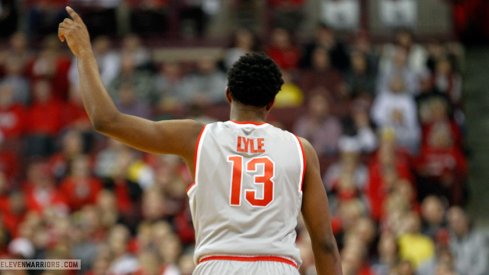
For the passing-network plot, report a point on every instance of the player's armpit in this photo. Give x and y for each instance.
(316, 216)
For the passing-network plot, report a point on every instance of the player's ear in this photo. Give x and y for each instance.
(270, 105)
(229, 97)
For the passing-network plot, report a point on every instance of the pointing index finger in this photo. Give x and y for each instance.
(73, 14)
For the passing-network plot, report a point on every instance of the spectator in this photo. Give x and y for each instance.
(361, 77)
(44, 120)
(447, 81)
(388, 254)
(415, 54)
(282, 49)
(397, 66)
(51, 65)
(141, 82)
(12, 115)
(359, 128)
(433, 222)
(243, 41)
(18, 50)
(80, 188)
(321, 74)
(442, 167)
(414, 246)
(132, 46)
(326, 38)
(204, 87)
(319, 126)
(16, 80)
(40, 190)
(123, 261)
(71, 147)
(396, 109)
(129, 103)
(468, 245)
(169, 86)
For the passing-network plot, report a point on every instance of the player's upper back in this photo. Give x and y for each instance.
(248, 193)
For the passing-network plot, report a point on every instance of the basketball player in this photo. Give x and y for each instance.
(251, 179)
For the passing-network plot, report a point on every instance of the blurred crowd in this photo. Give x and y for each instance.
(387, 120)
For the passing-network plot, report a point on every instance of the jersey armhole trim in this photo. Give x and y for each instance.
(304, 162)
(198, 147)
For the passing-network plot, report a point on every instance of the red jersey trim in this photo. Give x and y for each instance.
(257, 123)
(304, 162)
(240, 258)
(196, 156)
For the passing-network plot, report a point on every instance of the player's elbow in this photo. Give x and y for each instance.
(103, 123)
(326, 245)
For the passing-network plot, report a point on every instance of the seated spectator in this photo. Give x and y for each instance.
(441, 167)
(441, 263)
(12, 115)
(17, 52)
(447, 81)
(349, 165)
(15, 78)
(123, 261)
(325, 37)
(169, 86)
(388, 166)
(40, 190)
(397, 66)
(129, 103)
(51, 64)
(436, 113)
(415, 54)
(413, 245)
(133, 46)
(243, 41)
(358, 127)
(321, 74)
(71, 146)
(43, 121)
(396, 109)
(80, 188)
(469, 246)
(204, 87)
(140, 81)
(361, 77)
(319, 126)
(282, 49)
(433, 220)
(387, 255)
(13, 212)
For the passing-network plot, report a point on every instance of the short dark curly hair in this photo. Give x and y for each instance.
(254, 80)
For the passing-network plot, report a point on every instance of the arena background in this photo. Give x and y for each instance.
(183, 32)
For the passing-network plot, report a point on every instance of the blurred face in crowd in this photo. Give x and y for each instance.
(72, 143)
(80, 167)
(6, 95)
(118, 239)
(127, 95)
(358, 62)
(101, 45)
(206, 65)
(432, 210)
(458, 221)
(319, 106)
(244, 39)
(396, 84)
(18, 42)
(320, 58)
(412, 223)
(443, 66)
(42, 91)
(280, 38)
(440, 136)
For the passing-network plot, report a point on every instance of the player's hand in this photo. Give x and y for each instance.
(74, 32)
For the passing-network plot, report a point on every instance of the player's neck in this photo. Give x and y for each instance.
(240, 112)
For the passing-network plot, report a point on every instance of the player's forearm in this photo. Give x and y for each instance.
(327, 257)
(98, 104)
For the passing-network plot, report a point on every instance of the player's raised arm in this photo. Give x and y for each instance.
(316, 215)
(173, 136)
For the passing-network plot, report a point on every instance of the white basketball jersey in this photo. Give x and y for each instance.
(248, 190)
